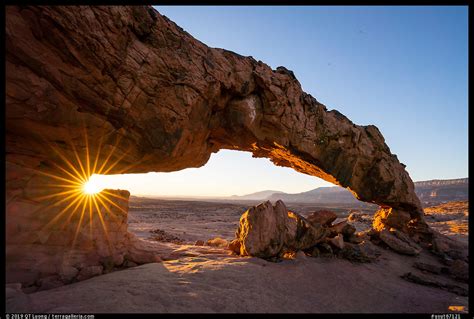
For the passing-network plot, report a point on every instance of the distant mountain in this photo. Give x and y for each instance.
(327, 195)
(318, 195)
(256, 196)
(429, 192)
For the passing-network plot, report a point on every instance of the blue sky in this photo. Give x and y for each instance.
(403, 69)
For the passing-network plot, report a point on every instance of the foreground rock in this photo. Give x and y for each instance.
(322, 217)
(399, 242)
(269, 231)
(73, 248)
(273, 232)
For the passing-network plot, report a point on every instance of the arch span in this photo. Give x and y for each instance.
(141, 85)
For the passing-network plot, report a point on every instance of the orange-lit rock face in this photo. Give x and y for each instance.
(130, 85)
(44, 239)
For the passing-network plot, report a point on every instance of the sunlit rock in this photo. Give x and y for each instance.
(322, 217)
(128, 87)
(168, 108)
(217, 242)
(337, 242)
(267, 231)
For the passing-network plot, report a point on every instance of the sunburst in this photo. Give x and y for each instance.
(75, 190)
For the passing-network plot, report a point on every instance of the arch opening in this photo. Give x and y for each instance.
(158, 101)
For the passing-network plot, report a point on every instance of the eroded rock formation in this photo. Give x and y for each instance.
(268, 231)
(272, 232)
(48, 245)
(130, 87)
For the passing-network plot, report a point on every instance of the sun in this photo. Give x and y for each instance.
(75, 186)
(91, 187)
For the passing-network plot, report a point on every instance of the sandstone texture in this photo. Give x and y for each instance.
(167, 101)
(323, 217)
(270, 231)
(274, 233)
(44, 251)
(399, 242)
(128, 87)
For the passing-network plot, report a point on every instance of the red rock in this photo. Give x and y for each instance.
(337, 241)
(217, 242)
(337, 228)
(268, 231)
(199, 243)
(234, 246)
(323, 217)
(89, 272)
(400, 244)
(166, 101)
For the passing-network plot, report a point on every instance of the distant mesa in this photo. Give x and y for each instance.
(438, 191)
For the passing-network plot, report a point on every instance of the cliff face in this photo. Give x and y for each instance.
(128, 86)
(439, 191)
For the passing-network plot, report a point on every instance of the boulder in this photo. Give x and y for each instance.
(322, 217)
(398, 243)
(391, 218)
(300, 255)
(217, 242)
(354, 239)
(449, 248)
(337, 242)
(234, 246)
(140, 252)
(337, 228)
(348, 231)
(266, 231)
(354, 253)
(358, 216)
(369, 249)
(199, 243)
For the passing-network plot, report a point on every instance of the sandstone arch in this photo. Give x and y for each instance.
(132, 73)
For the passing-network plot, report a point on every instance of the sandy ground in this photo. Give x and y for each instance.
(208, 279)
(195, 220)
(212, 281)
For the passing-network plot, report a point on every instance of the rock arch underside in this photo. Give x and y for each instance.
(150, 97)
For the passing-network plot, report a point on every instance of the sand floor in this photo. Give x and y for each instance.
(207, 279)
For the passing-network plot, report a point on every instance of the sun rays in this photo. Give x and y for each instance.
(75, 193)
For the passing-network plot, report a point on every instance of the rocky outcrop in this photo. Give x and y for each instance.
(323, 217)
(273, 232)
(129, 88)
(131, 73)
(268, 231)
(399, 242)
(50, 247)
